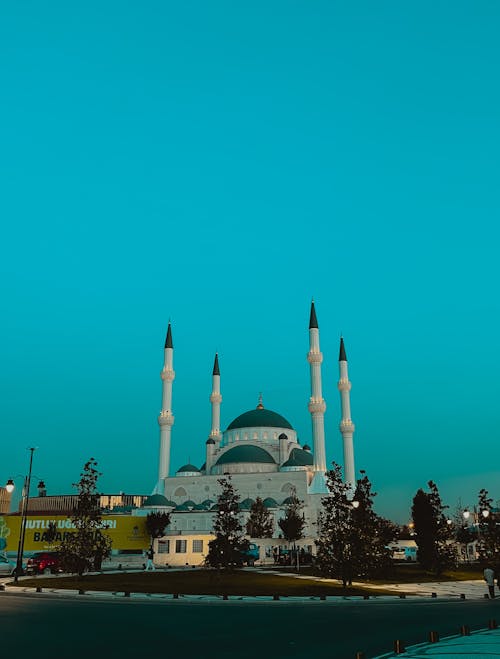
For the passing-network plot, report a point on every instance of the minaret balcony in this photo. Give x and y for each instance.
(166, 418)
(314, 357)
(346, 426)
(168, 375)
(317, 406)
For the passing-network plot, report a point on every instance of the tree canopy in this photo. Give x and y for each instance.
(228, 548)
(433, 536)
(260, 523)
(86, 547)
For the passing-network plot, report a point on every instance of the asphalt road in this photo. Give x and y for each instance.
(46, 627)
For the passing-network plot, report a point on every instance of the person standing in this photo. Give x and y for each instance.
(150, 555)
(489, 577)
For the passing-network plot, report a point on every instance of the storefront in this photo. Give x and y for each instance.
(127, 532)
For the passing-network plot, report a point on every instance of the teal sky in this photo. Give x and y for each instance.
(219, 164)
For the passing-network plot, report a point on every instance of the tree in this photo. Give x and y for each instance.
(260, 524)
(156, 523)
(432, 534)
(353, 539)
(371, 534)
(51, 533)
(334, 544)
(488, 536)
(87, 546)
(229, 547)
(292, 524)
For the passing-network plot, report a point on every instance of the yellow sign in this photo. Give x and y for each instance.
(125, 531)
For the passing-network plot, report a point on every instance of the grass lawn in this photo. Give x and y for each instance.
(411, 573)
(199, 582)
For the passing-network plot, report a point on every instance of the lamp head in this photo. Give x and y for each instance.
(10, 486)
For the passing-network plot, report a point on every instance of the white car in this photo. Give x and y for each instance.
(6, 567)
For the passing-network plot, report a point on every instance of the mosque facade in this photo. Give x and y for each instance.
(261, 453)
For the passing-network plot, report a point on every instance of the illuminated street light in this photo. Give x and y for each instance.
(355, 504)
(26, 497)
(466, 514)
(485, 513)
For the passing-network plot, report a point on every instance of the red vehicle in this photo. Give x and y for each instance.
(44, 562)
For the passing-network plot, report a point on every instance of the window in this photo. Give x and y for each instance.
(180, 492)
(180, 546)
(197, 546)
(164, 547)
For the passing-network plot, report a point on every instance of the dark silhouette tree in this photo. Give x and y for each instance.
(86, 547)
(353, 539)
(260, 523)
(371, 534)
(293, 522)
(336, 532)
(488, 532)
(156, 523)
(228, 549)
(436, 551)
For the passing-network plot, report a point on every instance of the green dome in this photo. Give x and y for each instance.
(188, 467)
(245, 453)
(259, 418)
(270, 503)
(246, 504)
(156, 500)
(187, 505)
(299, 458)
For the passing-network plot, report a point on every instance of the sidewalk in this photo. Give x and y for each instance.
(480, 645)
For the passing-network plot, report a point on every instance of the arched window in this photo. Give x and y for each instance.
(180, 492)
(287, 488)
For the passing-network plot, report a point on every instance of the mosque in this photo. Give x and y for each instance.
(259, 450)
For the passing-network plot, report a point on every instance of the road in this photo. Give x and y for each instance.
(47, 627)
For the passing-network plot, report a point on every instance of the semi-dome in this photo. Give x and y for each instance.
(156, 500)
(300, 457)
(187, 505)
(246, 504)
(259, 418)
(188, 467)
(245, 453)
(270, 503)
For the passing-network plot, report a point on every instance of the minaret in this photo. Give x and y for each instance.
(166, 418)
(216, 400)
(346, 425)
(317, 405)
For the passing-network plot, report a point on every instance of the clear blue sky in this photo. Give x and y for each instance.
(220, 163)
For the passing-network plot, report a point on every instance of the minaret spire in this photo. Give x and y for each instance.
(346, 424)
(317, 405)
(166, 418)
(215, 400)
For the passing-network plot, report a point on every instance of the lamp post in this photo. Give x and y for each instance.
(24, 512)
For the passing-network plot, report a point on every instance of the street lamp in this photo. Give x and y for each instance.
(466, 514)
(485, 513)
(24, 511)
(355, 504)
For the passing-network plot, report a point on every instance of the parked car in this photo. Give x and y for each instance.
(6, 567)
(44, 562)
(252, 554)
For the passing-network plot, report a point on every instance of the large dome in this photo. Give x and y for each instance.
(259, 418)
(248, 453)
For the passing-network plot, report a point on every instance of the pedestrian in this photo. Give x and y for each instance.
(489, 577)
(150, 555)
